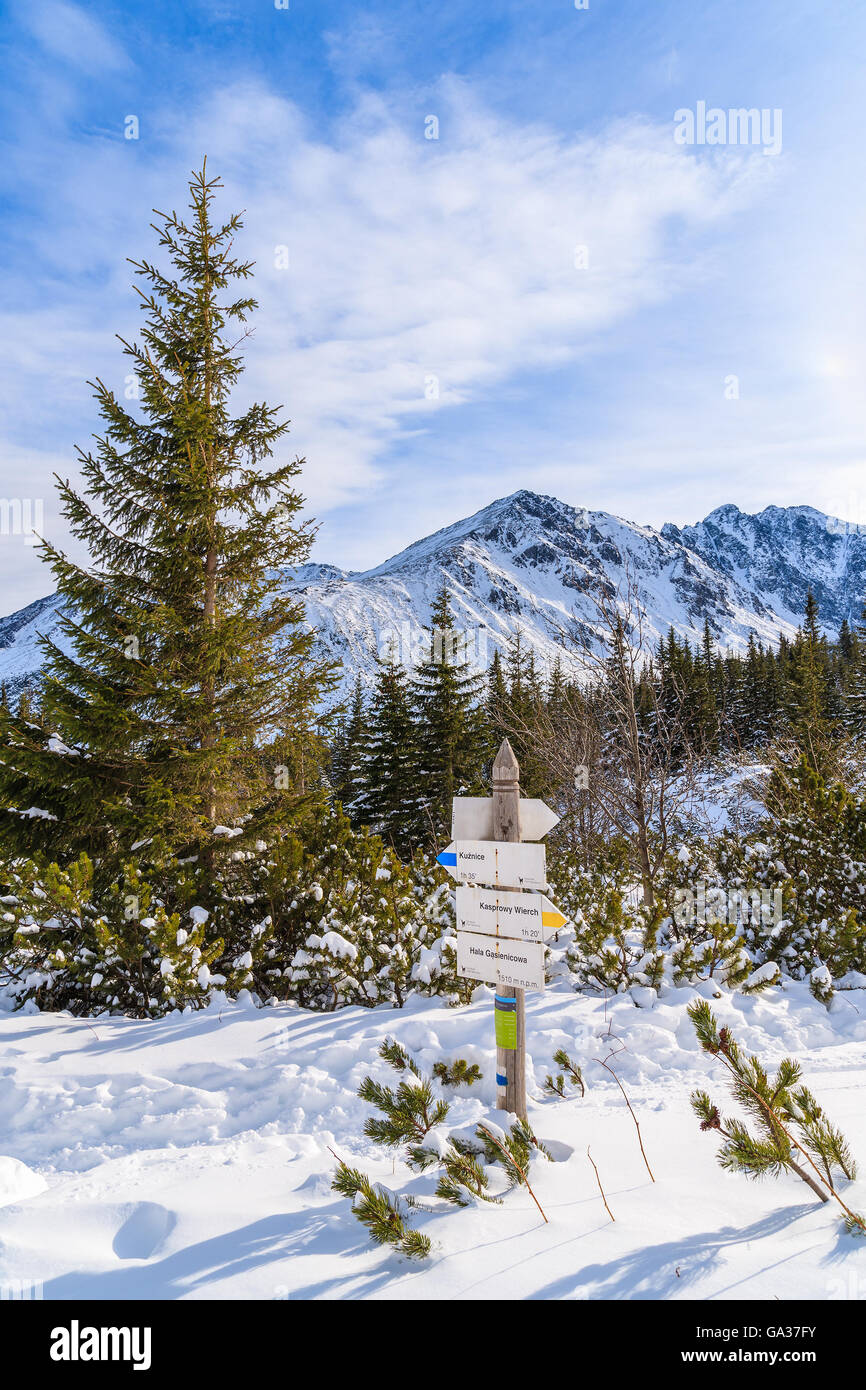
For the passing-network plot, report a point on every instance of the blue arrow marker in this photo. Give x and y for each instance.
(447, 859)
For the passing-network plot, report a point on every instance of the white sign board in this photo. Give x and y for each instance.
(494, 863)
(499, 961)
(496, 912)
(472, 818)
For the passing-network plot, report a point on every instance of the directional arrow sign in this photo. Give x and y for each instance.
(495, 912)
(495, 862)
(472, 818)
(496, 961)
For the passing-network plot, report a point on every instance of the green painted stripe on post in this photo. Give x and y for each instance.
(506, 1029)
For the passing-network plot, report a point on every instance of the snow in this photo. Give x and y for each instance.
(189, 1157)
(18, 1182)
(767, 972)
(56, 745)
(336, 944)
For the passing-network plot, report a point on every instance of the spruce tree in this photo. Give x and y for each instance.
(705, 706)
(519, 679)
(751, 722)
(388, 799)
(453, 736)
(182, 646)
(808, 682)
(523, 706)
(497, 693)
(348, 750)
(557, 692)
(854, 709)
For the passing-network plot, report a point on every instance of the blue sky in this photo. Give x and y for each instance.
(438, 337)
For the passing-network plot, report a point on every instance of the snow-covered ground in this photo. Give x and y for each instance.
(189, 1157)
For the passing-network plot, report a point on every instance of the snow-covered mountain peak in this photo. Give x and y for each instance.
(522, 562)
(505, 518)
(781, 553)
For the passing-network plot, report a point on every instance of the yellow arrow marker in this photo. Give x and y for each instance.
(553, 920)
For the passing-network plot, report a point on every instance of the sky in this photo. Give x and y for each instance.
(491, 250)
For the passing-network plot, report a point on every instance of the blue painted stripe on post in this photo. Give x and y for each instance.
(501, 1080)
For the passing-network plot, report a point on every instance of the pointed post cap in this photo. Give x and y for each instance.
(505, 766)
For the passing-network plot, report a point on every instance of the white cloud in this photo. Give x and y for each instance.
(454, 259)
(409, 259)
(67, 32)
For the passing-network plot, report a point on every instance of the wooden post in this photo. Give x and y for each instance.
(510, 1004)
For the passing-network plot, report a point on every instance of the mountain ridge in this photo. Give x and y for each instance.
(522, 562)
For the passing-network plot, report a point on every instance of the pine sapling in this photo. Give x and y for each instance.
(457, 1073)
(463, 1177)
(823, 1140)
(396, 1055)
(383, 1214)
(514, 1150)
(569, 1071)
(781, 1110)
(555, 1085)
(408, 1113)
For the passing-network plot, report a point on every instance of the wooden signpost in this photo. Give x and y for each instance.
(509, 1005)
(501, 927)
(472, 818)
(500, 961)
(502, 865)
(496, 912)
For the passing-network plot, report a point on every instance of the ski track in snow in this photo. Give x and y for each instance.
(188, 1157)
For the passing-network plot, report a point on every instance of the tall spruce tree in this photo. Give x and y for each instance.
(389, 798)
(453, 734)
(181, 644)
(809, 681)
(497, 692)
(348, 749)
(520, 714)
(854, 708)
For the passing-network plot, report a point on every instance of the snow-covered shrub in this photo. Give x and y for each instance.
(116, 948)
(815, 849)
(790, 897)
(435, 970)
(318, 912)
(706, 915)
(743, 911)
(366, 932)
(787, 900)
(351, 923)
(610, 941)
(616, 940)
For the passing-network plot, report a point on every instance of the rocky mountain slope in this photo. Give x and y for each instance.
(522, 562)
